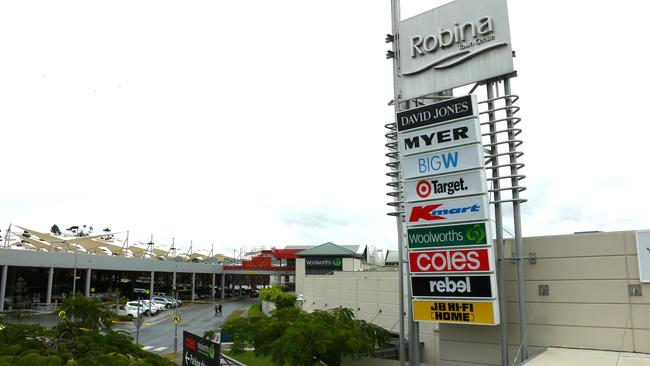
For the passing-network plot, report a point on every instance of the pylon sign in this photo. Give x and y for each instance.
(451, 266)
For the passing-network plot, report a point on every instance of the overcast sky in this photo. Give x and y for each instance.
(261, 123)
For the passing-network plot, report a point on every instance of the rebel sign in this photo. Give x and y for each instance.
(454, 260)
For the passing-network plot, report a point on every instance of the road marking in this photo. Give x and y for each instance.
(146, 348)
(160, 349)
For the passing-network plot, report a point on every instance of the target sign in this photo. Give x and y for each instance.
(423, 189)
(445, 186)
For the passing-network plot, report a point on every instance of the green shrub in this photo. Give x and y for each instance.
(70, 345)
(281, 299)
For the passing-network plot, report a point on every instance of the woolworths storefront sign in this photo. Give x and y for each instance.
(319, 265)
(447, 236)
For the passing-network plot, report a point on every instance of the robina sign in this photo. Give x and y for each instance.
(435, 113)
(456, 44)
(452, 260)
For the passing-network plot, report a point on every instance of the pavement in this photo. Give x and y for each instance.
(571, 357)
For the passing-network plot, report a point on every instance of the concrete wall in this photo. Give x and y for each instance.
(588, 304)
(351, 264)
(300, 275)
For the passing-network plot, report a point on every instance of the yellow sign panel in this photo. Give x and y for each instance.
(455, 312)
(176, 319)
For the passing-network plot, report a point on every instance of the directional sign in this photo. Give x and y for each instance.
(176, 319)
(199, 351)
(62, 314)
(473, 312)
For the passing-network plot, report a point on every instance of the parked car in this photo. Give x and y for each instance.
(166, 302)
(178, 302)
(155, 308)
(128, 311)
(143, 309)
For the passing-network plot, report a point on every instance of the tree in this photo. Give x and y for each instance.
(295, 337)
(87, 312)
(55, 230)
(21, 301)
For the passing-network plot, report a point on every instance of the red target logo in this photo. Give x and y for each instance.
(423, 189)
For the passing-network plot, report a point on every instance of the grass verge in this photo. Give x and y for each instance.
(234, 315)
(255, 310)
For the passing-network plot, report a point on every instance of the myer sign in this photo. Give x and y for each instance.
(456, 44)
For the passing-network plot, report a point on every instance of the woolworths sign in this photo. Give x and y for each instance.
(447, 236)
(319, 265)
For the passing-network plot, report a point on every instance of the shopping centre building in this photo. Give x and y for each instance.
(584, 301)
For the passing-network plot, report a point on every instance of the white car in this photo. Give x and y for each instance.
(143, 309)
(158, 307)
(128, 311)
(167, 303)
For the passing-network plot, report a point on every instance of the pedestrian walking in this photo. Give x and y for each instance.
(220, 310)
(217, 309)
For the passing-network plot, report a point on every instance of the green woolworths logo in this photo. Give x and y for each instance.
(337, 262)
(447, 236)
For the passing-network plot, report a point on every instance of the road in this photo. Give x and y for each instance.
(157, 333)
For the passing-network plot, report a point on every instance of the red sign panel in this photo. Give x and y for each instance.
(454, 260)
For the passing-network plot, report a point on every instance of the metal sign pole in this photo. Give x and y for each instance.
(498, 221)
(137, 324)
(516, 211)
(176, 325)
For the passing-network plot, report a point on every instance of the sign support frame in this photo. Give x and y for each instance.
(498, 222)
(399, 210)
